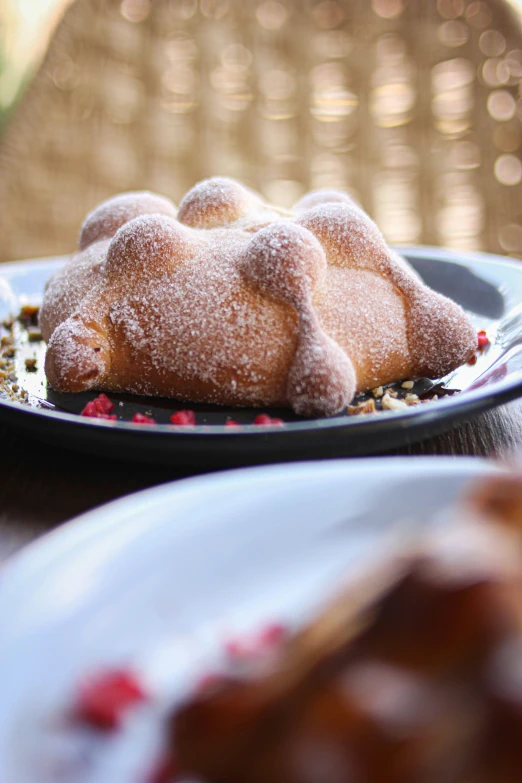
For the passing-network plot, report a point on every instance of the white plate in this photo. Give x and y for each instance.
(159, 578)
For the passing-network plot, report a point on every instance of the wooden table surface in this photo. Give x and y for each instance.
(42, 486)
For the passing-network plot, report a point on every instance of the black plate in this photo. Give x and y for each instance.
(489, 288)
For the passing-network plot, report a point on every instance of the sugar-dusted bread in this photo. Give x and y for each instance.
(230, 300)
(411, 678)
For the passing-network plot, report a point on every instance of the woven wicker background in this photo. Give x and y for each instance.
(415, 106)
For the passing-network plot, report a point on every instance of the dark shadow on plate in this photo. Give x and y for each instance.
(461, 284)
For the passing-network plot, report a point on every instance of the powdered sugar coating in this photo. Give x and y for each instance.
(348, 236)
(148, 245)
(286, 262)
(220, 201)
(365, 314)
(208, 333)
(322, 378)
(66, 290)
(108, 217)
(215, 202)
(79, 353)
(439, 334)
(242, 303)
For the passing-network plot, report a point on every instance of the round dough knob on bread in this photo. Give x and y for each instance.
(285, 261)
(108, 217)
(78, 357)
(148, 246)
(215, 202)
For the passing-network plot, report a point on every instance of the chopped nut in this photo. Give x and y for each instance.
(30, 365)
(392, 393)
(411, 399)
(29, 315)
(6, 340)
(378, 392)
(29, 310)
(366, 406)
(34, 335)
(407, 385)
(389, 403)
(15, 387)
(9, 352)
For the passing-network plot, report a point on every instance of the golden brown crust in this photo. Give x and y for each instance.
(236, 302)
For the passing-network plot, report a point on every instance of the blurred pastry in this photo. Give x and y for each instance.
(416, 677)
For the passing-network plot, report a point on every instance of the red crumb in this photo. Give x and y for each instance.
(183, 418)
(269, 636)
(92, 412)
(103, 699)
(141, 418)
(103, 402)
(473, 360)
(99, 408)
(265, 419)
(272, 634)
(482, 339)
(232, 423)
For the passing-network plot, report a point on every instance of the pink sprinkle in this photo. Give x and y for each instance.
(232, 423)
(183, 418)
(265, 419)
(141, 418)
(99, 408)
(103, 700)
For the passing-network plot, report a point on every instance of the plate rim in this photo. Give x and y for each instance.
(108, 515)
(456, 406)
